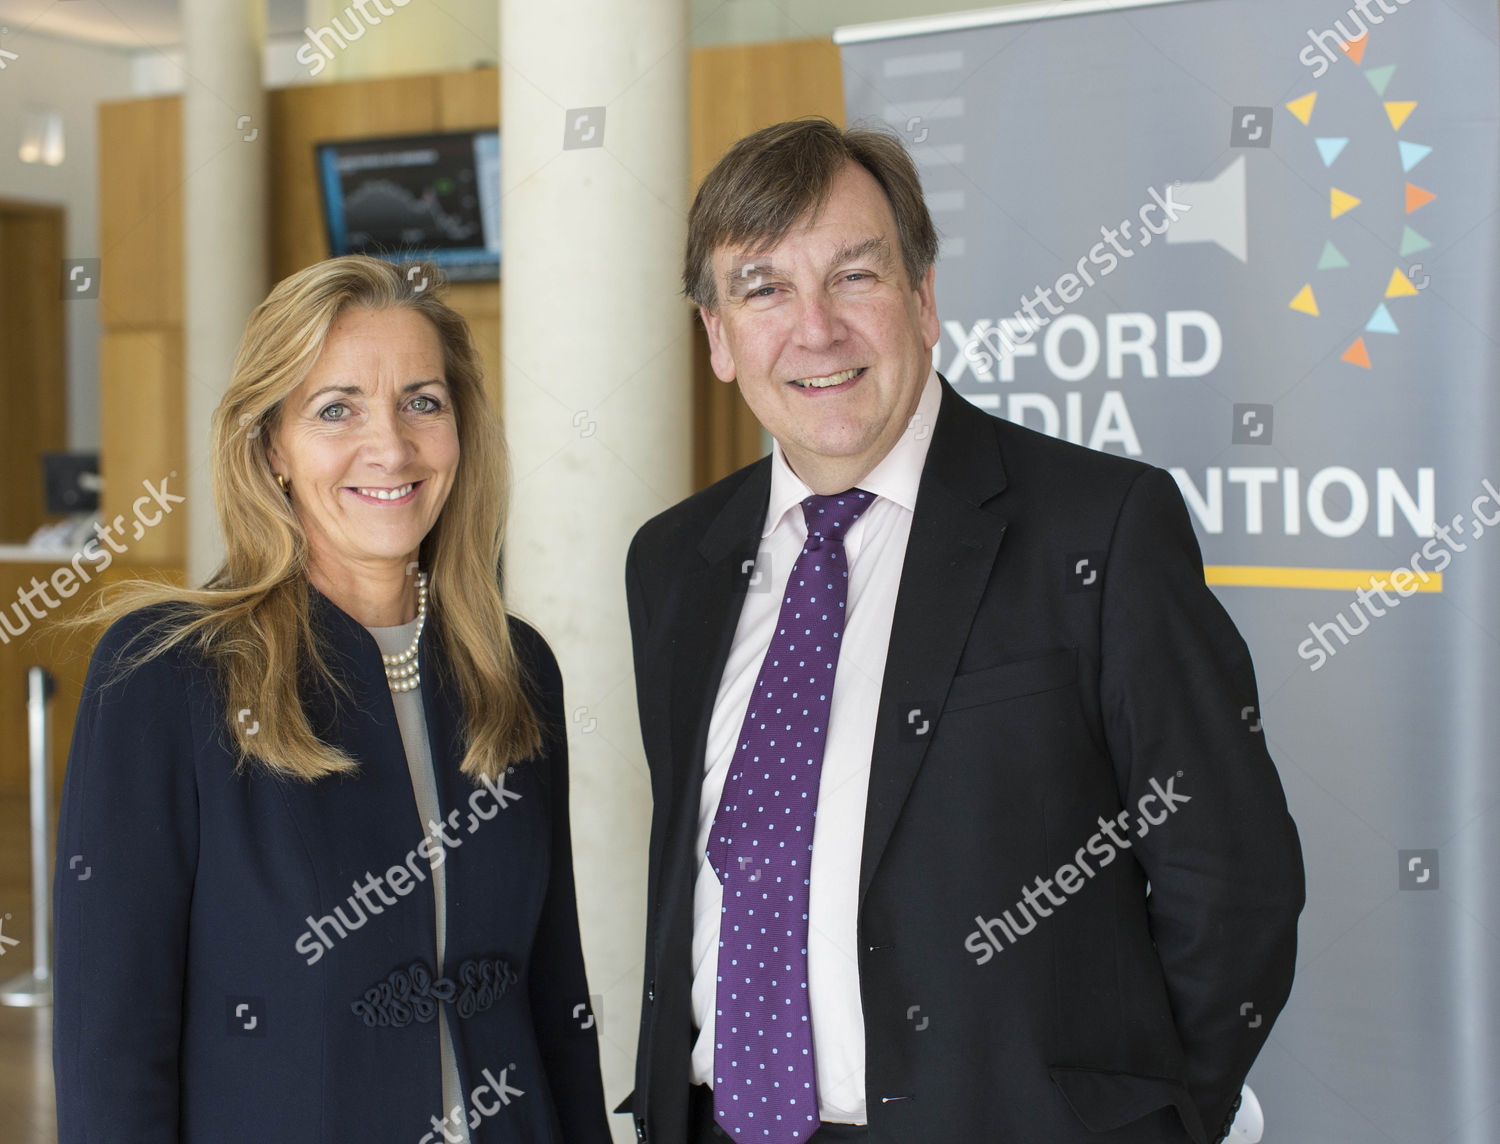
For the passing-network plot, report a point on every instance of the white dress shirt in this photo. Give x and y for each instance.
(875, 547)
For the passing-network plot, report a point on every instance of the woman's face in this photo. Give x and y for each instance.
(369, 442)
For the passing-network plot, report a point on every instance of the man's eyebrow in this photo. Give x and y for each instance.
(859, 251)
(748, 273)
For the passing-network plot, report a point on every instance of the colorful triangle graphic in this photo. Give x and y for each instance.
(1332, 258)
(1400, 111)
(1304, 302)
(1412, 153)
(1380, 77)
(1302, 107)
(1357, 354)
(1341, 202)
(1411, 242)
(1400, 285)
(1355, 48)
(1417, 198)
(1381, 322)
(1330, 149)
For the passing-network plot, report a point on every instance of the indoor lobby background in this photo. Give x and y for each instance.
(158, 175)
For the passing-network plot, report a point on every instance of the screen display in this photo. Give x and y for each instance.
(419, 196)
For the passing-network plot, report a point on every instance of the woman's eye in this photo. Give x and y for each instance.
(422, 403)
(335, 412)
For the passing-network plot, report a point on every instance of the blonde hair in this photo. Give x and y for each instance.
(251, 620)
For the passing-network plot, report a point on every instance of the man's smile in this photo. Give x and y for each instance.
(838, 380)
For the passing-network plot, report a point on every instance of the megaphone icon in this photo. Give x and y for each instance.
(1217, 214)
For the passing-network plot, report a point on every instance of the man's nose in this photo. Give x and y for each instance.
(818, 323)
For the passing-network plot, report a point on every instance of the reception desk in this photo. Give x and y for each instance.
(28, 639)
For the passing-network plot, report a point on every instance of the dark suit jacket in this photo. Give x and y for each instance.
(1022, 702)
(187, 1006)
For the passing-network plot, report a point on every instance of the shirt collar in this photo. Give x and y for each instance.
(895, 478)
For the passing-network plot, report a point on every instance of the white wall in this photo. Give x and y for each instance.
(752, 21)
(74, 79)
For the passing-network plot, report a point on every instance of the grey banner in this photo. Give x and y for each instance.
(1255, 242)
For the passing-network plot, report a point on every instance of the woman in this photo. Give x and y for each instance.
(324, 799)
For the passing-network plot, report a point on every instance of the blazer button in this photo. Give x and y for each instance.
(640, 1129)
(651, 991)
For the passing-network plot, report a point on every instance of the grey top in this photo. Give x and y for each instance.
(412, 720)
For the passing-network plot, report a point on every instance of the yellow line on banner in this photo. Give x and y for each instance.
(1338, 579)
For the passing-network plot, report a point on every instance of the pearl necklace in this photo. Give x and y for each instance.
(401, 669)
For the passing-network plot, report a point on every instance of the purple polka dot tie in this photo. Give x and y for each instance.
(765, 1085)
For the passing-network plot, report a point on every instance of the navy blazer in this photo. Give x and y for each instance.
(1055, 661)
(242, 957)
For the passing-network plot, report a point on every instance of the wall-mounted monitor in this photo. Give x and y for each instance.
(70, 482)
(434, 196)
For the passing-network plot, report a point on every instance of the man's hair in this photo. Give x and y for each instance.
(768, 180)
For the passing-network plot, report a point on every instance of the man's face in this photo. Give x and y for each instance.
(829, 340)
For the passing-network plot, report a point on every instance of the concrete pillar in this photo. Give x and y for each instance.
(371, 39)
(597, 406)
(225, 267)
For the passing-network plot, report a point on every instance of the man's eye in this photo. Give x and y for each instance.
(327, 413)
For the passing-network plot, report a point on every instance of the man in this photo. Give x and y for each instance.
(961, 832)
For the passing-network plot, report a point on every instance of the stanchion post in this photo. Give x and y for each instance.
(35, 988)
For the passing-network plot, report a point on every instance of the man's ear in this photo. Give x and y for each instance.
(927, 316)
(719, 355)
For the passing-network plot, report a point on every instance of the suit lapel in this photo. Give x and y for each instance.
(950, 557)
(712, 593)
(710, 597)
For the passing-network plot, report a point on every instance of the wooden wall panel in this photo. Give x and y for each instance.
(141, 432)
(742, 88)
(468, 99)
(140, 212)
(479, 303)
(33, 376)
(737, 90)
